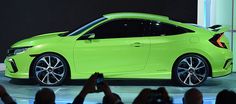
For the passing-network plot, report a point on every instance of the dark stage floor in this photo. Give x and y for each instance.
(23, 91)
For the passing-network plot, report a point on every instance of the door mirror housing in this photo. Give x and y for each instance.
(88, 36)
(91, 36)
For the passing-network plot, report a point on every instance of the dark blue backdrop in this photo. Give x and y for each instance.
(20, 19)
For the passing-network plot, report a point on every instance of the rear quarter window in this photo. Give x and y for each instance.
(158, 29)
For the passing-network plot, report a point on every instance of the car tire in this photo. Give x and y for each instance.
(50, 69)
(190, 70)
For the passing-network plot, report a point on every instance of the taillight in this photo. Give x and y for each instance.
(216, 40)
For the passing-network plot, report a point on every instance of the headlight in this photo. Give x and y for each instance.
(21, 50)
(18, 50)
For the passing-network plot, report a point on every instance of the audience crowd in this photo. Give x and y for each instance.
(147, 96)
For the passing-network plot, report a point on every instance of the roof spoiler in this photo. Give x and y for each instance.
(218, 28)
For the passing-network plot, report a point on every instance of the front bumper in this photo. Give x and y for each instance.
(18, 66)
(13, 68)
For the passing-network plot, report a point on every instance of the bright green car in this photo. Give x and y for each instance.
(124, 45)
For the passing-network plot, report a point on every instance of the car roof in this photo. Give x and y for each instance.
(135, 15)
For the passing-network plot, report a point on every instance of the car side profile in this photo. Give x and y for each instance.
(124, 45)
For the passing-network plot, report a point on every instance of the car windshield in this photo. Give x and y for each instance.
(81, 29)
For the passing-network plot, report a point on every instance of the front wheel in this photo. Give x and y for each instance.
(191, 70)
(50, 69)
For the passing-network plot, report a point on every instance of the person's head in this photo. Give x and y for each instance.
(143, 96)
(159, 96)
(226, 97)
(193, 96)
(149, 96)
(164, 95)
(45, 96)
(107, 99)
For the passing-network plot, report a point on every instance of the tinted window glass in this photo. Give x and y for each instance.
(158, 29)
(77, 31)
(121, 28)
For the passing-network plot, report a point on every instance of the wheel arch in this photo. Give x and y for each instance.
(210, 68)
(36, 56)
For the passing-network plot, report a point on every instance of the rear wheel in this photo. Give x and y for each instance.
(191, 70)
(50, 69)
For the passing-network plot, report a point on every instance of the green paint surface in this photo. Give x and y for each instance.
(117, 58)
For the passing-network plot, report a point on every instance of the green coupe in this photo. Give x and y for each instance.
(124, 45)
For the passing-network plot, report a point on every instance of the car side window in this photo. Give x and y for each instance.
(159, 28)
(121, 29)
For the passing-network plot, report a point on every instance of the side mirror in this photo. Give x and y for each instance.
(91, 36)
(88, 36)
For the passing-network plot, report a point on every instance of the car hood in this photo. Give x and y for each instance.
(43, 38)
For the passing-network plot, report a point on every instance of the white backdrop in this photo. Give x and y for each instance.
(212, 12)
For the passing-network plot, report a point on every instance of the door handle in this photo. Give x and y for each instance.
(137, 44)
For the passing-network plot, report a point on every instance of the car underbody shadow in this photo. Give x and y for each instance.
(23, 82)
(142, 82)
(117, 82)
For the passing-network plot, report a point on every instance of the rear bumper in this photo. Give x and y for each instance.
(226, 70)
(221, 61)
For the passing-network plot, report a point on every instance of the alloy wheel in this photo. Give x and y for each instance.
(50, 70)
(192, 71)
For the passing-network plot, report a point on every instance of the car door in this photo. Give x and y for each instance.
(116, 46)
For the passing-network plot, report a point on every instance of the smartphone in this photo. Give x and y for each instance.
(99, 82)
(100, 79)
